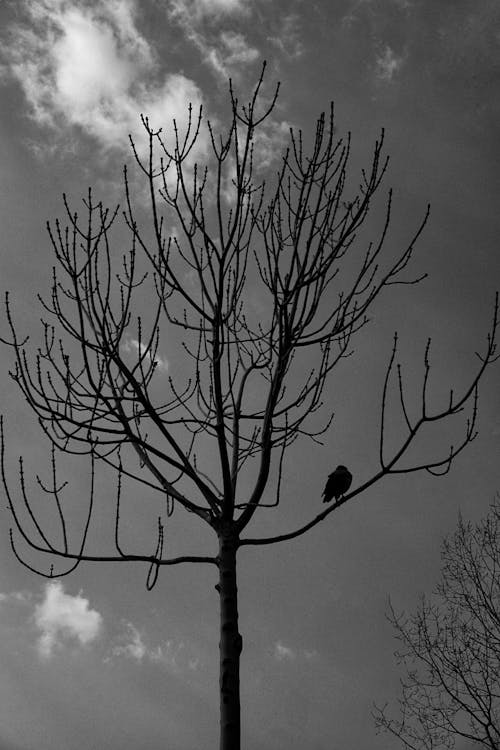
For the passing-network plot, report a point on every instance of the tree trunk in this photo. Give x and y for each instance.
(230, 644)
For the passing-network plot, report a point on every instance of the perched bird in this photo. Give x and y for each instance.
(337, 485)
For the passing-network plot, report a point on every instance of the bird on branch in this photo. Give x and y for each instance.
(337, 485)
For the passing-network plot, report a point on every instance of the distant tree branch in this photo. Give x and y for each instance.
(450, 647)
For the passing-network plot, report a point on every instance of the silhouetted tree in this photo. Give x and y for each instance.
(219, 238)
(450, 648)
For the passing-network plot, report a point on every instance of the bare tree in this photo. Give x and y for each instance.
(257, 376)
(450, 648)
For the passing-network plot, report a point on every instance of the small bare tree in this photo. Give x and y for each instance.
(450, 648)
(258, 375)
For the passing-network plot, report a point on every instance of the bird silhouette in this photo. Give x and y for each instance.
(337, 485)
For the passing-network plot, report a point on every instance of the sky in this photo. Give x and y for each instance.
(94, 659)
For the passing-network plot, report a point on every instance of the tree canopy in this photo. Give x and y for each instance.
(450, 647)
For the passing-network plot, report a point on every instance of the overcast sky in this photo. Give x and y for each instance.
(94, 660)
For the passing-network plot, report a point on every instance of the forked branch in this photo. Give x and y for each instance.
(258, 267)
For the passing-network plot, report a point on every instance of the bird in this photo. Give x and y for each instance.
(338, 483)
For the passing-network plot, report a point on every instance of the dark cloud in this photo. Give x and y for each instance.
(465, 58)
(7, 745)
(449, 52)
(380, 22)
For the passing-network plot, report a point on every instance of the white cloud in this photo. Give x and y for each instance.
(133, 647)
(237, 49)
(270, 142)
(282, 652)
(226, 52)
(22, 597)
(351, 16)
(61, 616)
(172, 655)
(287, 653)
(388, 64)
(226, 55)
(310, 654)
(87, 65)
(132, 345)
(288, 40)
(197, 9)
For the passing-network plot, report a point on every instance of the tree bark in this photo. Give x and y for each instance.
(230, 643)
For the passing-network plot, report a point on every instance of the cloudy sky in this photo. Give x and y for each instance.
(94, 660)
